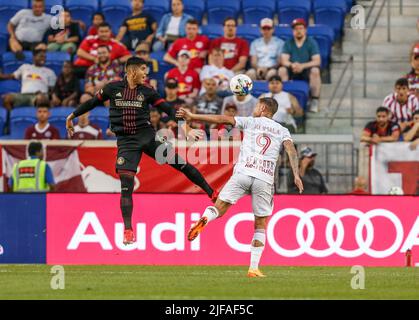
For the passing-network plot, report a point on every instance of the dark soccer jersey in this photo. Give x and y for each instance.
(129, 108)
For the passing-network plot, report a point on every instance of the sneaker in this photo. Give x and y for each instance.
(314, 105)
(255, 273)
(214, 196)
(197, 228)
(129, 236)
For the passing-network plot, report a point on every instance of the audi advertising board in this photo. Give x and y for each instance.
(303, 231)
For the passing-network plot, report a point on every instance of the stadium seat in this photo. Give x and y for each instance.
(260, 87)
(9, 86)
(115, 12)
(324, 36)
(100, 117)
(249, 32)
(55, 61)
(8, 9)
(4, 42)
(300, 89)
(20, 119)
(255, 10)
(157, 8)
(163, 66)
(58, 117)
(82, 9)
(3, 119)
(218, 10)
(331, 13)
(284, 32)
(11, 64)
(195, 8)
(288, 10)
(212, 31)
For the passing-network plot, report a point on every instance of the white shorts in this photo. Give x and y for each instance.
(261, 191)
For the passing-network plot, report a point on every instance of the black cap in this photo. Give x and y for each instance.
(275, 78)
(171, 83)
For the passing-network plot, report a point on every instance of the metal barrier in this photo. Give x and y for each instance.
(336, 160)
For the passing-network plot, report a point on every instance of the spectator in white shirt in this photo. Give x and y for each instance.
(216, 70)
(27, 29)
(401, 104)
(289, 109)
(265, 53)
(35, 79)
(244, 104)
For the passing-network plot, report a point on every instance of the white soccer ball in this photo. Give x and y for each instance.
(241, 85)
(396, 191)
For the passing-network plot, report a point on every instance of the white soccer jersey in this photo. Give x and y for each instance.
(261, 145)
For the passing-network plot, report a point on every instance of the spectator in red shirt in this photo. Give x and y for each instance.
(87, 52)
(84, 130)
(42, 129)
(382, 129)
(97, 20)
(236, 50)
(187, 78)
(360, 187)
(196, 44)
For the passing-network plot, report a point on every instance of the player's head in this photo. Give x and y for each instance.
(104, 31)
(266, 107)
(402, 89)
(35, 149)
(136, 70)
(382, 115)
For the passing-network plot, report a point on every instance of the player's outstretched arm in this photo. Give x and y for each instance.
(217, 119)
(293, 157)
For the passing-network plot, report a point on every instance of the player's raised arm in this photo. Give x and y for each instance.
(90, 104)
(217, 119)
(293, 157)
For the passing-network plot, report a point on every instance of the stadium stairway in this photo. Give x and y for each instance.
(386, 62)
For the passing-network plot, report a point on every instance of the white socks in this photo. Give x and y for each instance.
(211, 213)
(256, 252)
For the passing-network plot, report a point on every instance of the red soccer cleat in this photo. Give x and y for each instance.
(197, 228)
(129, 236)
(214, 196)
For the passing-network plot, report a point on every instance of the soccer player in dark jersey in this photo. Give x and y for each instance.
(129, 116)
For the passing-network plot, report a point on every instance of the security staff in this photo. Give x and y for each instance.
(32, 174)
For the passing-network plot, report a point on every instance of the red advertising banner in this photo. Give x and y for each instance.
(303, 231)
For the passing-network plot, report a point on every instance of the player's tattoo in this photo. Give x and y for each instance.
(293, 157)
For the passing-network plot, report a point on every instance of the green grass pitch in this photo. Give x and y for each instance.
(202, 282)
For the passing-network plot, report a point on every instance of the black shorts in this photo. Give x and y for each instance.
(131, 148)
(305, 75)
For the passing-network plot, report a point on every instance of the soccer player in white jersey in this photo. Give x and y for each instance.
(254, 171)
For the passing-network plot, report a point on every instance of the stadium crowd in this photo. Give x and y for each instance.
(198, 77)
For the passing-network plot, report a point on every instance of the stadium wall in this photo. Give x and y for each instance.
(303, 231)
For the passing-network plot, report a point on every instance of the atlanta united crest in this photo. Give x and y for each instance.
(140, 97)
(120, 161)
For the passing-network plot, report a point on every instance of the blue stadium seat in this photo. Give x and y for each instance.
(4, 42)
(58, 117)
(55, 61)
(11, 64)
(284, 32)
(218, 10)
(289, 10)
(3, 119)
(8, 9)
(157, 8)
(324, 36)
(100, 117)
(163, 66)
(260, 87)
(212, 31)
(255, 10)
(20, 119)
(249, 32)
(9, 86)
(195, 8)
(300, 89)
(331, 13)
(115, 12)
(82, 9)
